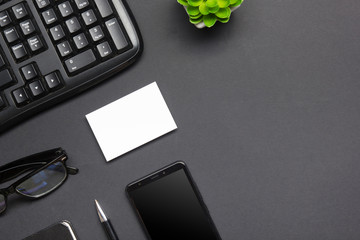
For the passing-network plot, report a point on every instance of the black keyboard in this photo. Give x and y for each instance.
(53, 49)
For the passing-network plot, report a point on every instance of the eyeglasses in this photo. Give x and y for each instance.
(48, 172)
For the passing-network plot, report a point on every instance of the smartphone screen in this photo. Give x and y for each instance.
(170, 206)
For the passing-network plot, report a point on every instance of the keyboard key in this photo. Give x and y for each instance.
(80, 41)
(104, 8)
(57, 32)
(64, 48)
(89, 17)
(65, 9)
(42, 3)
(19, 51)
(27, 27)
(11, 34)
(73, 25)
(2, 103)
(5, 78)
(96, 33)
(29, 72)
(19, 11)
(20, 96)
(82, 3)
(80, 61)
(104, 49)
(53, 81)
(35, 43)
(116, 33)
(4, 19)
(36, 88)
(49, 16)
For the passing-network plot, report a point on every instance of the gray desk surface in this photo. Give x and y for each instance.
(268, 116)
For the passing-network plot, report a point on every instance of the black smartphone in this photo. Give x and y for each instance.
(170, 206)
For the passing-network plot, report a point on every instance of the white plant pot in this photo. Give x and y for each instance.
(202, 24)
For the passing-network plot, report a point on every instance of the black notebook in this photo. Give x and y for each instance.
(58, 231)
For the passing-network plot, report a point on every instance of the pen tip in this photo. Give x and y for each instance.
(97, 205)
(100, 212)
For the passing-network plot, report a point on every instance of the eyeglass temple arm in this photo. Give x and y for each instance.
(12, 173)
(44, 156)
(18, 167)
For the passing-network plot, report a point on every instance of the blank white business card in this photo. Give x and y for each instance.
(131, 121)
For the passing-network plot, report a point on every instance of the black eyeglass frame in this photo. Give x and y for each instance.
(37, 163)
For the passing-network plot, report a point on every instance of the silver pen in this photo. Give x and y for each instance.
(110, 232)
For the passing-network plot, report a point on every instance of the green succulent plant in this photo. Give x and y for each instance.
(209, 11)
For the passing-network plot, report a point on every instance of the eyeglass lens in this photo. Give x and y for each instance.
(44, 181)
(2, 203)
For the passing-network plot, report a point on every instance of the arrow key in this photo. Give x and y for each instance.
(20, 96)
(29, 72)
(53, 81)
(36, 88)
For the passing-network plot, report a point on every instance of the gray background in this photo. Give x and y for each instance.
(268, 116)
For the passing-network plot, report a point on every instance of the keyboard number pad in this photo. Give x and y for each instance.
(21, 32)
(84, 32)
